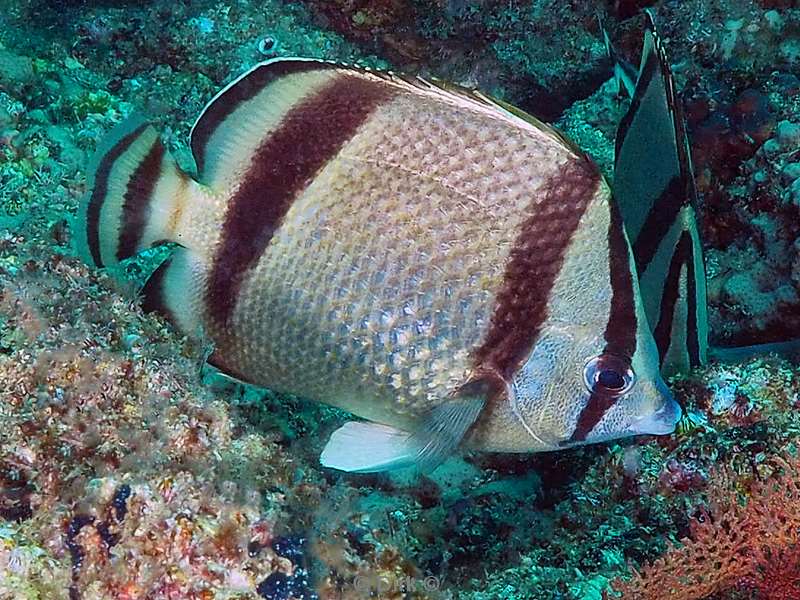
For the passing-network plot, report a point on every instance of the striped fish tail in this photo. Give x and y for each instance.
(655, 190)
(134, 198)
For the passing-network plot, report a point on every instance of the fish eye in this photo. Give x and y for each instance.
(608, 374)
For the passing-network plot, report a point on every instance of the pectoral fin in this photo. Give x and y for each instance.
(363, 447)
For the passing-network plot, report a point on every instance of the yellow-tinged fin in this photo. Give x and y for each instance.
(134, 191)
(655, 191)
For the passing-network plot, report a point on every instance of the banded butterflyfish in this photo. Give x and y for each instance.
(438, 263)
(654, 187)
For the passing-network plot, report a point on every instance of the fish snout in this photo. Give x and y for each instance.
(664, 419)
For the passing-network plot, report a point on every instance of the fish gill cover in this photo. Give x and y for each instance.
(129, 469)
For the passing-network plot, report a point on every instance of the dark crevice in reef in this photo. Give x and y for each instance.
(549, 104)
(15, 497)
(68, 4)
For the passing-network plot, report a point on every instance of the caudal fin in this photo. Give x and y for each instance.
(625, 74)
(655, 191)
(135, 192)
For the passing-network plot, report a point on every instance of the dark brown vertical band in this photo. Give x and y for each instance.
(153, 299)
(597, 406)
(100, 191)
(310, 135)
(137, 199)
(658, 222)
(670, 294)
(620, 333)
(533, 265)
(237, 94)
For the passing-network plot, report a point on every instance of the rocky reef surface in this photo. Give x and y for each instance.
(130, 470)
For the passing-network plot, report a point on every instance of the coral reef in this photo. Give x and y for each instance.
(504, 48)
(735, 548)
(120, 476)
(129, 470)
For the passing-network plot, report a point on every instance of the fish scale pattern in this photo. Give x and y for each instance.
(381, 281)
(535, 262)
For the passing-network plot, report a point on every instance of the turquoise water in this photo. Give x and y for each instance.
(129, 468)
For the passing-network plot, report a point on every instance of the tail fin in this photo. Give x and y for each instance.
(135, 191)
(654, 188)
(624, 72)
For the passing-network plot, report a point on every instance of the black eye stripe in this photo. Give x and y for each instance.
(620, 334)
(595, 408)
(607, 378)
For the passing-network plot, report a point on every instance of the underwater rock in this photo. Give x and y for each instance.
(15, 70)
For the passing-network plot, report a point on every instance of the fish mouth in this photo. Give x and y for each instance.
(664, 420)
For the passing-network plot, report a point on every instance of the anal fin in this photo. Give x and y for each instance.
(364, 447)
(174, 290)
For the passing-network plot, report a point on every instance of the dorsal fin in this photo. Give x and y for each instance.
(654, 188)
(247, 110)
(244, 113)
(625, 74)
